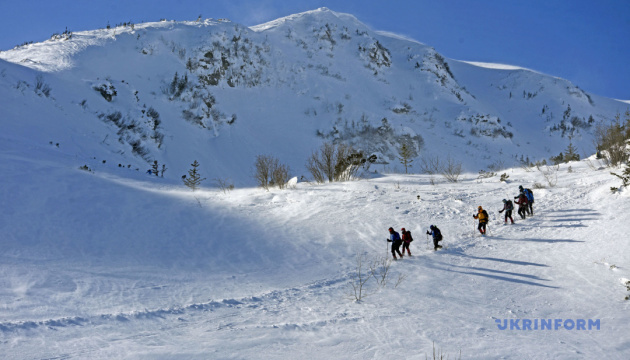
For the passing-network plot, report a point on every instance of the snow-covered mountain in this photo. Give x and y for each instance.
(180, 91)
(117, 264)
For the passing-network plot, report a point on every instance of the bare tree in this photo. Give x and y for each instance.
(359, 277)
(315, 167)
(280, 175)
(338, 162)
(262, 172)
(451, 170)
(327, 159)
(269, 172)
(430, 165)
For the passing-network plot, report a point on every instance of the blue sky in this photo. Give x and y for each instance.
(585, 41)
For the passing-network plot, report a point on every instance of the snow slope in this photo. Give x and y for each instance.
(96, 265)
(113, 263)
(294, 82)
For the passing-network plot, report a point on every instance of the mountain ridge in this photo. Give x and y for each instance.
(319, 76)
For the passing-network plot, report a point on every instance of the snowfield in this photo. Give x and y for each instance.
(109, 262)
(99, 265)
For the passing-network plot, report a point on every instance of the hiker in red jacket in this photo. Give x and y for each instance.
(522, 204)
(407, 239)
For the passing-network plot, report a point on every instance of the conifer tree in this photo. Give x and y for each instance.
(405, 156)
(570, 154)
(194, 179)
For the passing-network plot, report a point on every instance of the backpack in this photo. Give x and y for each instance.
(509, 205)
(529, 194)
(410, 237)
(438, 233)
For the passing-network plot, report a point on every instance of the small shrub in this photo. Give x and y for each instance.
(439, 355)
(269, 172)
(400, 279)
(486, 174)
(379, 269)
(611, 140)
(430, 165)
(538, 185)
(504, 177)
(625, 176)
(280, 176)
(550, 174)
(497, 165)
(224, 184)
(337, 162)
(359, 278)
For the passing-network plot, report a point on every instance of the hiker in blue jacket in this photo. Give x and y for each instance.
(396, 241)
(530, 198)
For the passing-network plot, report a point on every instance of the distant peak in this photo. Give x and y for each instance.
(321, 13)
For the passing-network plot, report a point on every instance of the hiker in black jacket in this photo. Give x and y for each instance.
(437, 236)
(396, 241)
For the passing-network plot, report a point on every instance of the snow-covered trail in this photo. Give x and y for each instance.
(556, 264)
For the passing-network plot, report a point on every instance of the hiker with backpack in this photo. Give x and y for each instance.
(437, 236)
(407, 239)
(530, 198)
(396, 241)
(507, 207)
(522, 204)
(482, 215)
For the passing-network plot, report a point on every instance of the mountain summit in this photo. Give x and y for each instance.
(223, 93)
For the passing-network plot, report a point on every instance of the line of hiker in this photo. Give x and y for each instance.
(405, 240)
(524, 200)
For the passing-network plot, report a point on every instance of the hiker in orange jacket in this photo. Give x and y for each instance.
(482, 215)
